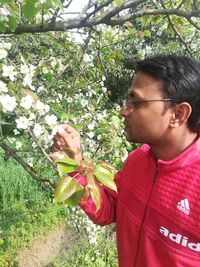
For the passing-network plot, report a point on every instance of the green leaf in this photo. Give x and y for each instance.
(115, 119)
(64, 169)
(59, 4)
(144, 21)
(105, 177)
(66, 187)
(12, 23)
(118, 2)
(2, 27)
(75, 198)
(29, 10)
(5, 1)
(67, 160)
(96, 196)
(147, 33)
(49, 77)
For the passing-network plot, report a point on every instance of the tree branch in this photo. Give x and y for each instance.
(11, 152)
(176, 32)
(107, 17)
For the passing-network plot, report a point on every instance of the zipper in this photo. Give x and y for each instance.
(144, 214)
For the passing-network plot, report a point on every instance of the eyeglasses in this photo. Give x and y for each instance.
(136, 104)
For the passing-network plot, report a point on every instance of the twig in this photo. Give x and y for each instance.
(11, 152)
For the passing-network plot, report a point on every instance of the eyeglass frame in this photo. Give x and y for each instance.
(126, 102)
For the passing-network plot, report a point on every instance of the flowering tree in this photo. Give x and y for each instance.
(58, 77)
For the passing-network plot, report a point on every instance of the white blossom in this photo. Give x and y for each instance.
(84, 102)
(53, 62)
(41, 107)
(26, 102)
(34, 145)
(30, 162)
(45, 70)
(104, 89)
(8, 71)
(27, 81)
(90, 134)
(18, 145)
(69, 99)
(61, 67)
(86, 58)
(100, 116)
(32, 116)
(3, 53)
(22, 123)
(3, 87)
(8, 103)
(91, 126)
(6, 46)
(50, 119)
(41, 89)
(24, 69)
(37, 130)
(3, 14)
(55, 130)
(16, 132)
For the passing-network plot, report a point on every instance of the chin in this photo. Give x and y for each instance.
(133, 139)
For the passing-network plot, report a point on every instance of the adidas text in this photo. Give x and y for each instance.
(180, 239)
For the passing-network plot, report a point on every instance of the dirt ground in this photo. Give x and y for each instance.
(45, 248)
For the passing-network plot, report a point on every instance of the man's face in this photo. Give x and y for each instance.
(146, 122)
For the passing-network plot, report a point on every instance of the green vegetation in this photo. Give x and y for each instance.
(25, 211)
(101, 253)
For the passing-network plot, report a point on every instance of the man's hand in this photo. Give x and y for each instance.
(67, 137)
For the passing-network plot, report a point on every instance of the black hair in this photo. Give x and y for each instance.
(181, 81)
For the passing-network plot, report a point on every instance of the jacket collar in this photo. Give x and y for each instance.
(189, 156)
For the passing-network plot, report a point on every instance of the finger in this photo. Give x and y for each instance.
(68, 128)
(59, 141)
(66, 137)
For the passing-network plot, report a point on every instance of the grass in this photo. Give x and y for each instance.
(26, 210)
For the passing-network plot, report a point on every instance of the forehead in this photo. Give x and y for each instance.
(145, 86)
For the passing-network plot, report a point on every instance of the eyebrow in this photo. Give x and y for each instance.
(133, 94)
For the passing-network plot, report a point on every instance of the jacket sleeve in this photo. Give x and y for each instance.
(107, 212)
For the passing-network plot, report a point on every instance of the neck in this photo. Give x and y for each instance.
(171, 148)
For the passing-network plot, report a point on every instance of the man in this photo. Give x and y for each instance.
(157, 208)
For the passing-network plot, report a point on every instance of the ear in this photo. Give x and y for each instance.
(180, 115)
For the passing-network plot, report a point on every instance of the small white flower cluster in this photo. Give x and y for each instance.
(9, 71)
(79, 219)
(28, 70)
(8, 103)
(4, 14)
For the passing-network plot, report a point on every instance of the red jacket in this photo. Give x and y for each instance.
(156, 210)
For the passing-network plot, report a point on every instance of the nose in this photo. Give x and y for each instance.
(124, 112)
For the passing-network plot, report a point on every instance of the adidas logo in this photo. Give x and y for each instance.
(183, 206)
(179, 239)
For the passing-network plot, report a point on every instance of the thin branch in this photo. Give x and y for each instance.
(193, 23)
(176, 32)
(11, 152)
(181, 3)
(68, 4)
(98, 8)
(142, 13)
(42, 149)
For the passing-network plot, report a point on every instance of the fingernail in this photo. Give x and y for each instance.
(60, 130)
